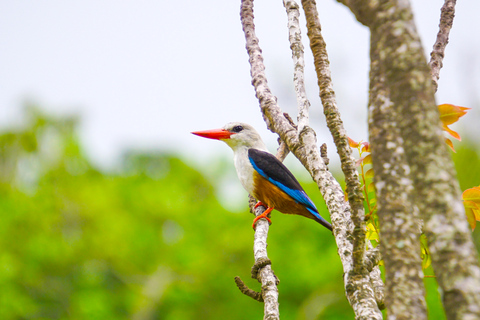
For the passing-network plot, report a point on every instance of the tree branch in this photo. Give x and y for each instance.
(262, 270)
(295, 38)
(265, 273)
(247, 291)
(355, 195)
(438, 52)
(335, 124)
(378, 287)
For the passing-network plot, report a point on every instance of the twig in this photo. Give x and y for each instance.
(296, 46)
(247, 291)
(372, 258)
(290, 120)
(438, 52)
(323, 154)
(282, 151)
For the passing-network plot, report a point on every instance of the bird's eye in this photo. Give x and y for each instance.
(237, 129)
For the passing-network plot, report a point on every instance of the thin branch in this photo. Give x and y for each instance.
(378, 287)
(295, 38)
(247, 291)
(265, 275)
(372, 258)
(335, 124)
(282, 151)
(367, 305)
(323, 153)
(263, 271)
(438, 52)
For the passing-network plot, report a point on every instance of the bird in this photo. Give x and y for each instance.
(262, 175)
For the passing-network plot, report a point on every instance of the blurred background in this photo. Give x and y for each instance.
(111, 209)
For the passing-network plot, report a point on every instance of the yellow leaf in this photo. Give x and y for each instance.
(476, 212)
(450, 144)
(426, 257)
(427, 260)
(471, 201)
(352, 143)
(371, 232)
(472, 194)
(369, 173)
(470, 217)
(371, 187)
(452, 133)
(367, 160)
(450, 113)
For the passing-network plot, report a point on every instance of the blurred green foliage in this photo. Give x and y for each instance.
(150, 241)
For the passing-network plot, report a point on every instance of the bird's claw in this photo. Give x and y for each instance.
(254, 225)
(258, 204)
(263, 215)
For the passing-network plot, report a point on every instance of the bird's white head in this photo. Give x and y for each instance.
(236, 135)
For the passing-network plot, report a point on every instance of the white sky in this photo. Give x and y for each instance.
(145, 73)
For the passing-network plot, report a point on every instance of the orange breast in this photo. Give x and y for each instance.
(274, 197)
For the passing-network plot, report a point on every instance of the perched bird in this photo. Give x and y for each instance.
(263, 175)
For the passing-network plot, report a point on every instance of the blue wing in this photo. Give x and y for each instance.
(269, 167)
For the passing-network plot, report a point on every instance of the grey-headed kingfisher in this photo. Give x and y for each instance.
(263, 175)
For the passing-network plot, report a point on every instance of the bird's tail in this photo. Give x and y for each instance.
(324, 223)
(319, 219)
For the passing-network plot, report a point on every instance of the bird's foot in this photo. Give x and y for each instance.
(259, 203)
(263, 215)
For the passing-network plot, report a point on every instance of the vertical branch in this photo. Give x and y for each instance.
(265, 274)
(257, 69)
(295, 38)
(262, 269)
(335, 124)
(438, 52)
(370, 299)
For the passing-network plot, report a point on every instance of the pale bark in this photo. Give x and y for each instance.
(265, 274)
(398, 56)
(399, 235)
(438, 52)
(262, 270)
(353, 188)
(295, 38)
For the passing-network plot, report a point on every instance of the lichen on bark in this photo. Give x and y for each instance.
(401, 66)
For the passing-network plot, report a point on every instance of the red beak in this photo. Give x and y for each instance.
(217, 134)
